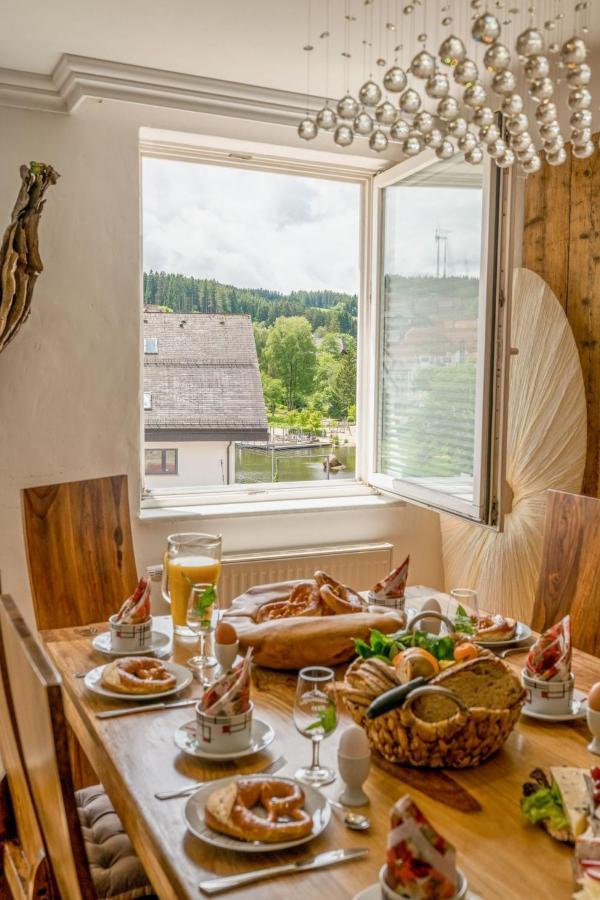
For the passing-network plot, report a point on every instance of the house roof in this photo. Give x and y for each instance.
(204, 380)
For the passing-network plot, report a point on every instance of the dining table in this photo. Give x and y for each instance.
(135, 756)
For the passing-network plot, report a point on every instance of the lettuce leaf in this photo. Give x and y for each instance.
(462, 621)
(386, 646)
(545, 805)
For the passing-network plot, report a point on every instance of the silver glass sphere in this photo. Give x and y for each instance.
(424, 122)
(546, 112)
(467, 142)
(378, 141)
(530, 42)
(520, 141)
(413, 145)
(555, 145)
(466, 72)
(497, 58)
(581, 119)
(527, 153)
(549, 131)
(452, 51)
(307, 129)
(386, 113)
(486, 29)
(474, 96)
(497, 148)
(369, 94)
(531, 166)
(327, 118)
(410, 101)
(343, 135)
(581, 135)
(512, 105)
(583, 151)
(537, 67)
(484, 115)
(433, 138)
(422, 65)
(458, 127)
(556, 157)
(506, 160)
(542, 89)
(399, 130)
(504, 82)
(394, 80)
(363, 123)
(578, 75)
(573, 51)
(445, 150)
(437, 86)
(517, 124)
(580, 98)
(447, 109)
(474, 156)
(347, 107)
(489, 133)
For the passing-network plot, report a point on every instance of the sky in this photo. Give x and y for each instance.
(249, 228)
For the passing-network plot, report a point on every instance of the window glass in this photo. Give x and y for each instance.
(150, 345)
(147, 400)
(160, 462)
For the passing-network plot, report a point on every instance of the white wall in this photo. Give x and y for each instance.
(70, 384)
(198, 462)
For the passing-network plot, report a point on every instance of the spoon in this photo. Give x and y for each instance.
(352, 820)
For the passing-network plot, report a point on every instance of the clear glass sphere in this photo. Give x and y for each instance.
(517, 124)
(400, 130)
(343, 135)
(413, 145)
(474, 157)
(327, 118)
(369, 94)
(530, 42)
(497, 148)
(581, 119)
(504, 82)
(422, 65)
(489, 133)
(531, 166)
(448, 109)
(537, 67)
(466, 72)
(363, 123)
(580, 98)
(506, 160)
(434, 138)
(347, 107)
(497, 58)
(386, 113)
(549, 131)
(410, 101)
(543, 89)
(486, 29)
(424, 121)
(583, 151)
(452, 51)
(458, 127)
(578, 75)
(394, 80)
(437, 86)
(307, 129)
(378, 140)
(573, 51)
(474, 96)
(467, 142)
(556, 157)
(484, 115)
(546, 112)
(445, 150)
(512, 105)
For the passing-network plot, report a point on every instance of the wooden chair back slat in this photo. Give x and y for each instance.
(569, 579)
(41, 728)
(80, 550)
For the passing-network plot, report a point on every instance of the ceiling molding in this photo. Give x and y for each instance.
(77, 78)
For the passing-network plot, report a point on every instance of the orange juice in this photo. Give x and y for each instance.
(182, 572)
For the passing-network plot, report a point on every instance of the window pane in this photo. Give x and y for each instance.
(432, 235)
(153, 462)
(170, 462)
(151, 345)
(147, 401)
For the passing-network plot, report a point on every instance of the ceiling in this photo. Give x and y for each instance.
(258, 42)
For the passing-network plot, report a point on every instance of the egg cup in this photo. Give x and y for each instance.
(593, 720)
(226, 654)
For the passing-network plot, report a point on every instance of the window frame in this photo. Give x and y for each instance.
(163, 451)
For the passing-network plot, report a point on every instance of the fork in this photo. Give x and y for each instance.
(502, 653)
(184, 792)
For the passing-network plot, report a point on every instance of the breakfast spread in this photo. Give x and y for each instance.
(390, 590)
(136, 609)
(420, 862)
(549, 658)
(137, 675)
(229, 695)
(230, 810)
(485, 627)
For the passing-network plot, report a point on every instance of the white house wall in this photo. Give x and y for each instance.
(198, 462)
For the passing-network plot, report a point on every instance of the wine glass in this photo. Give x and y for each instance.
(201, 602)
(315, 716)
(466, 598)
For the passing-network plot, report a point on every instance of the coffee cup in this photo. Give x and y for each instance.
(128, 638)
(550, 698)
(388, 894)
(224, 734)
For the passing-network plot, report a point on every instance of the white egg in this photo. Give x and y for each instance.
(431, 625)
(594, 697)
(354, 743)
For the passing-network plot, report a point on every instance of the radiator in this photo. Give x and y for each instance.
(358, 565)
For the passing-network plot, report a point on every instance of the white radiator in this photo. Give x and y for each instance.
(357, 565)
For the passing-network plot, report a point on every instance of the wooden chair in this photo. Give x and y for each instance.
(569, 579)
(89, 853)
(80, 550)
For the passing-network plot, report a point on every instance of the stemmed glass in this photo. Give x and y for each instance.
(201, 603)
(315, 716)
(466, 598)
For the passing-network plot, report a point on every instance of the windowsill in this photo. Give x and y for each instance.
(269, 507)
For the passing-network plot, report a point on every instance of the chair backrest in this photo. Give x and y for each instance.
(25, 864)
(42, 734)
(569, 579)
(80, 550)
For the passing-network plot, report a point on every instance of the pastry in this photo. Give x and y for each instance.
(494, 628)
(137, 675)
(229, 810)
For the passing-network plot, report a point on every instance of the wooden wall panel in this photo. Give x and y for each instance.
(561, 243)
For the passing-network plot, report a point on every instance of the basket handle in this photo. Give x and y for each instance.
(430, 689)
(431, 614)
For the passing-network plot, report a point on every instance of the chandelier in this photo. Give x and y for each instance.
(494, 86)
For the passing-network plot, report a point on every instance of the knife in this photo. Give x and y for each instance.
(270, 769)
(111, 713)
(393, 698)
(320, 861)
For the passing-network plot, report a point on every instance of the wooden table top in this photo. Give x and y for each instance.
(135, 756)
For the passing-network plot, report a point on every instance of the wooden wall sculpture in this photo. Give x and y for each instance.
(562, 244)
(20, 261)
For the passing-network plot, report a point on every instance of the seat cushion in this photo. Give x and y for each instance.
(116, 870)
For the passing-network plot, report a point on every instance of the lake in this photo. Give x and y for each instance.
(252, 466)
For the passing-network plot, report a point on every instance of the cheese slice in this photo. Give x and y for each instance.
(574, 794)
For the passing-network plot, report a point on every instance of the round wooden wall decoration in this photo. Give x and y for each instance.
(546, 448)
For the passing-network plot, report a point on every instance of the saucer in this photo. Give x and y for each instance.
(159, 646)
(185, 738)
(578, 710)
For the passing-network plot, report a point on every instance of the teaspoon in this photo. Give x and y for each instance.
(352, 820)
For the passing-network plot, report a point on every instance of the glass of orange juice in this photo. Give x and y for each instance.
(190, 559)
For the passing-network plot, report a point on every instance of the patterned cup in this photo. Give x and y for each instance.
(128, 638)
(551, 698)
(388, 894)
(224, 734)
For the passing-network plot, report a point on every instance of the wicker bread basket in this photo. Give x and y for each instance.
(463, 738)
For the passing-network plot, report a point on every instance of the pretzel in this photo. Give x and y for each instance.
(138, 675)
(229, 810)
(303, 601)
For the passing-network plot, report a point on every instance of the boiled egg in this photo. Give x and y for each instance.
(225, 633)
(354, 743)
(593, 700)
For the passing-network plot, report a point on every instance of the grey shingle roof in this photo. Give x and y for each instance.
(204, 380)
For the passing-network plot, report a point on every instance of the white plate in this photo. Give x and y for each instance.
(185, 738)
(315, 804)
(373, 892)
(93, 682)
(159, 646)
(578, 710)
(524, 632)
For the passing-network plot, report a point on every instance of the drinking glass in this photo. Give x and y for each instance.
(315, 716)
(202, 602)
(467, 598)
(190, 559)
